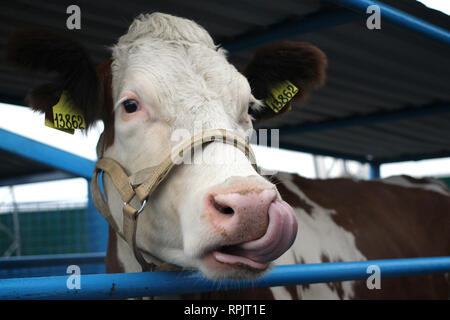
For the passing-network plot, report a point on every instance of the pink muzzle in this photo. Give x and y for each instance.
(257, 228)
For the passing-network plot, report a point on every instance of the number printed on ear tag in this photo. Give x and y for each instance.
(280, 95)
(66, 115)
(49, 123)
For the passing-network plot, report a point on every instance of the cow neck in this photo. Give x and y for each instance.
(144, 182)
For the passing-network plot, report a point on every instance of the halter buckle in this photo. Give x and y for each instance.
(144, 203)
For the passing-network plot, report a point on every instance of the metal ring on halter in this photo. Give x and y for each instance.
(144, 203)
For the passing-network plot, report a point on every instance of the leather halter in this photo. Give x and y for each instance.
(144, 182)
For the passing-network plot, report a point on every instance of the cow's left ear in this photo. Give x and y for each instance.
(300, 63)
(69, 61)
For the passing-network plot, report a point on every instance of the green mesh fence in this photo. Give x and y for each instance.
(50, 231)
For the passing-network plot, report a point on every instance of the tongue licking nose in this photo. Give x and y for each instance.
(241, 217)
(279, 237)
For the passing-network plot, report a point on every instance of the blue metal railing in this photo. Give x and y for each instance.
(119, 286)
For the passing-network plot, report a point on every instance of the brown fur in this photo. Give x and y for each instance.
(113, 264)
(54, 52)
(106, 102)
(299, 62)
(89, 87)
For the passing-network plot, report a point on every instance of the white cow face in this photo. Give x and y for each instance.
(167, 80)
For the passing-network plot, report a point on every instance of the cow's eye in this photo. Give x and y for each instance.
(131, 105)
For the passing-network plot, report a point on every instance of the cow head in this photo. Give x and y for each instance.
(167, 79)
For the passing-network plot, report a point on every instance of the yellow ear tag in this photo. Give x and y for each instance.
(66, 115)
(280, 95)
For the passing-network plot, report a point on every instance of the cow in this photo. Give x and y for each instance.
(166, 76)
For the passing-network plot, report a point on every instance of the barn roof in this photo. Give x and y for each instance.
(387, 94)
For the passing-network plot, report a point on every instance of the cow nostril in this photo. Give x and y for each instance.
(227, 210)
(222, 209)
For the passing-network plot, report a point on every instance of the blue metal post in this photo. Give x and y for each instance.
(399, 18)
(374, 171)
(119, 286)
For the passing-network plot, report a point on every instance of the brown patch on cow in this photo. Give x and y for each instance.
(389, 222)
(113, 264)
(324, 258)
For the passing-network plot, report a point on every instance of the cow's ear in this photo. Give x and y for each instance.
(52, 52)
(300, 63)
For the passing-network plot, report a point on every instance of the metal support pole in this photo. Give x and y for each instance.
(374, 172)
(129, 285)
(16, 222)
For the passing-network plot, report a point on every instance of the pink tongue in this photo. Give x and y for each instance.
(280, 235)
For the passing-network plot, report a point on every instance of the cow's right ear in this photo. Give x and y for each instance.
(300, 63)
(76, 75)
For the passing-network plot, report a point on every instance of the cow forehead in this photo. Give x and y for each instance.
(174, 62)
(174, 79)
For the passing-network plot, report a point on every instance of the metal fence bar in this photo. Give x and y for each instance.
(399, 18)
(374, 171)
(119, 286)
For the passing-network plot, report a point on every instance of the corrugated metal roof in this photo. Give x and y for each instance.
(370, 72)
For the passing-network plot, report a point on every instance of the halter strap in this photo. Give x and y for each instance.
(144, 182)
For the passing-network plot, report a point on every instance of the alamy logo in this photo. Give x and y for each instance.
(74, 280)
(374, 280)
(374, 20)
(74, 20)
